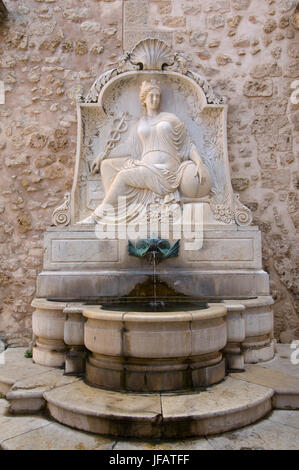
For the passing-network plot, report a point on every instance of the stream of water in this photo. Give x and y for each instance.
(156, 305)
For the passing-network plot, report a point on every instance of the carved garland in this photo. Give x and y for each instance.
(224, 213)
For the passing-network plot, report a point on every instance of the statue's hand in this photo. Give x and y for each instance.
(96, 164)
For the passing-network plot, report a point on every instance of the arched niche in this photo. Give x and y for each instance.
(112, 106)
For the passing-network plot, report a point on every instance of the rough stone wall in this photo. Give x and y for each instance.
(52, 49)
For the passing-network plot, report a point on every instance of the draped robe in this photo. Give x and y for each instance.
(147, 177)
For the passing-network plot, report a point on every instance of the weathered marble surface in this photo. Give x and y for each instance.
(218, 247)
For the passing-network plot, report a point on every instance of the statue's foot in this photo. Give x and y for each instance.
(88, 221)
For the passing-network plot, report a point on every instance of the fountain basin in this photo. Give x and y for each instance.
(155, 351)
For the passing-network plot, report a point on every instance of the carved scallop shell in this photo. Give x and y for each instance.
(152, 54)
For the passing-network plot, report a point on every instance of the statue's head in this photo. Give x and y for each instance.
(150, 94)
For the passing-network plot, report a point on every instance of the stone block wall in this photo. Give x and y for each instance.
(51, 50)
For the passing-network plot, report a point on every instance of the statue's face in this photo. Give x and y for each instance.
(152, 100)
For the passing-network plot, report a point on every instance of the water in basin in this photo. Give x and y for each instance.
(158, 306)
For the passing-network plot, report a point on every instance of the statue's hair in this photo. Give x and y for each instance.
(145, 88)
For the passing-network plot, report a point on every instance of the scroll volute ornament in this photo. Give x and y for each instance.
(61, 216)
(243, 215)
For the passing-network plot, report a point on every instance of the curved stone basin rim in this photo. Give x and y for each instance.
(98, 312)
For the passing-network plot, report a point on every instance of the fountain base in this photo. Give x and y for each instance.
(154, 375)
(155, 351)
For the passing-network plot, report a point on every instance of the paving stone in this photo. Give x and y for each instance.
(274, 379)
(188, 444)
(265, 435)
(44, 381)
(282, 361)
(13, 426)
(57, 437)
(17, 367)
(287, 417)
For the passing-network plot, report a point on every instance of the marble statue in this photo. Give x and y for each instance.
(157, 163)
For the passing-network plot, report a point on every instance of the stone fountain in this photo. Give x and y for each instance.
(151, 164)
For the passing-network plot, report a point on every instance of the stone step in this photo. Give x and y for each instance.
(279, 430)
(240, 399)
(229, 405)
(27, 395)
(15, 366)
(23, 382)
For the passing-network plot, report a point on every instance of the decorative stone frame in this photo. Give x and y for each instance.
(203, 112)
